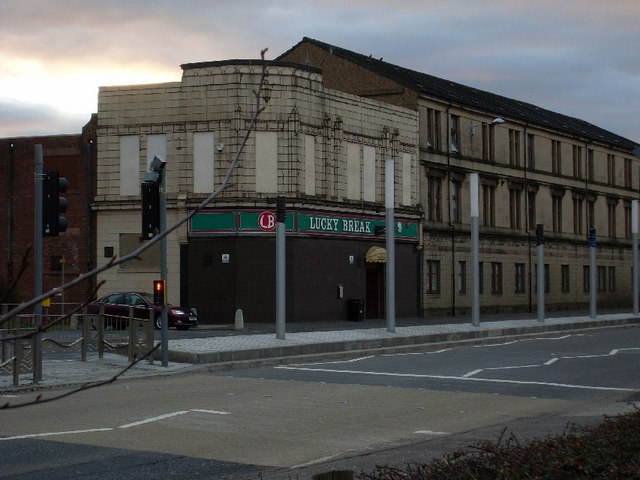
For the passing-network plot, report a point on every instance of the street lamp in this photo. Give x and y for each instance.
(634, 241)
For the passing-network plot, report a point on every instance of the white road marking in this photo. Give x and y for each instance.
(512, 342)
(472, 373)
(212, 412)
(353, 360)
(52, 434)
(154, 419)
(430, 432)
(452, 377)
(108, 429)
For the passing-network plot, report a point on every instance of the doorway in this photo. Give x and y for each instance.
(375, 290)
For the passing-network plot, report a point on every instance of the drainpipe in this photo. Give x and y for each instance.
(90, 215)
(451, 226)
(12, 152)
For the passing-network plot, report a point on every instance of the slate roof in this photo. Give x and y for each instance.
(483, 101)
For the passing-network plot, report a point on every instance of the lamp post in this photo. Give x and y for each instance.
(390, 229)
(634, 241)
(475, 241)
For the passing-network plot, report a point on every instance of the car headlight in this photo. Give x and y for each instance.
(178, 312)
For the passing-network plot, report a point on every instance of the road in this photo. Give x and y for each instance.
(291, 421)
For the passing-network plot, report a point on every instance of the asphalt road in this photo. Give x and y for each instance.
(295, 420)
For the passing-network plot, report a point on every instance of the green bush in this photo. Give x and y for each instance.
(610, 450)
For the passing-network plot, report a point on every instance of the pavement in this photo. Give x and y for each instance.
(223, 347)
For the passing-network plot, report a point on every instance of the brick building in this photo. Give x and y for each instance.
(322, 149)
(72, 252)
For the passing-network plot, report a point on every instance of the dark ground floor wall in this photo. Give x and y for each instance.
(322, 276)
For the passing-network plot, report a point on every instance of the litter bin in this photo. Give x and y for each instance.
(355, 310)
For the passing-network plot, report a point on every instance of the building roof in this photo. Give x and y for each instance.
(486, 102)
(247, 62)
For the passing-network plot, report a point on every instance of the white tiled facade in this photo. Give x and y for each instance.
(318, 147)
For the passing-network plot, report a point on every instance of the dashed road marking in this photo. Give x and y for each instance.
(109, 429)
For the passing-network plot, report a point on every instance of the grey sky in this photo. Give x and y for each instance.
(576, 57)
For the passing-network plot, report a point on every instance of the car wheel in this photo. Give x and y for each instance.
(158, 322)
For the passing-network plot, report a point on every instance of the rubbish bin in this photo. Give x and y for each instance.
(355, 310)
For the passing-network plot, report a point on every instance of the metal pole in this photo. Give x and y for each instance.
(475, 252)
(37, 349)
(62, 265)
(163, 268)
(391, 248)
(592, 272)
(280, 269)
(540, 271)
(634, 240)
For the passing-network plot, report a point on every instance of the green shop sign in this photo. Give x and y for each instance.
(298, 222)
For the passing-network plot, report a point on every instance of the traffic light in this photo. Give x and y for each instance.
(150, 209)
(539, 234)
(159, 293)
(53, 204)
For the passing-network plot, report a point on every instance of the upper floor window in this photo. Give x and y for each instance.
(578, 202)
(489, 205)
(556, 210)
(514, 147)
(611, 169)
(531, 151)
(577, 161)
(531, 208)
(456, 215)
(488, 142)
(454, 138)
(627, 219)
(515, 208)
(434, 198)
(590, 164)
(556, 157)
(591, 211)
(628, 175)
(612, 204)
(433, 128)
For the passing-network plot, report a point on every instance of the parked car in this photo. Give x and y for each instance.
(116, 310)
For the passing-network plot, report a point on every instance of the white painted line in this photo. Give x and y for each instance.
(471, 374)
(212, 412)
(154, 419)
(552, 361)
(53, 434)
(353, 360)
(512, 342)
(430, 432)
(468, 379)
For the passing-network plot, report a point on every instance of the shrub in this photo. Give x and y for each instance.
(610, 450)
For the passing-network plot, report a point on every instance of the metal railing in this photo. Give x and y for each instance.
(80, 334)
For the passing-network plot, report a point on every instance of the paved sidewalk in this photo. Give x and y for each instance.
(252, 347)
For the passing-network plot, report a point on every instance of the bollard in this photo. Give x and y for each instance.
(239, 320)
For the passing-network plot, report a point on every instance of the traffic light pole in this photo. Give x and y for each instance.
(37, 288)
(163, 268)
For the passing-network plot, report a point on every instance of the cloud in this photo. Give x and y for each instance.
(577, 57)
(22, 119)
